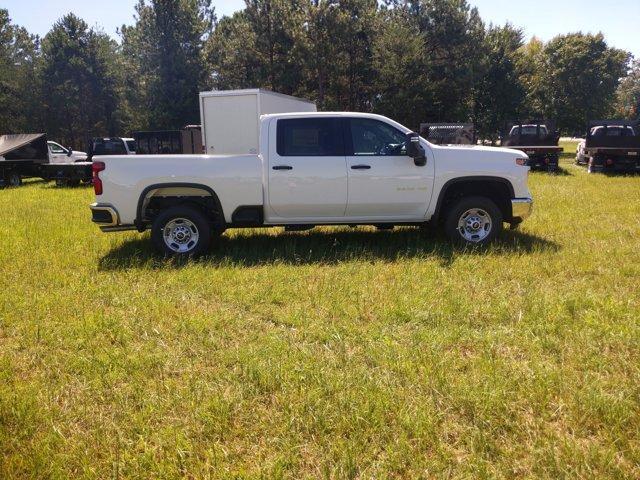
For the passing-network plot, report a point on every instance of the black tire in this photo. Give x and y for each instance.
(486, 209)
(13, 180)
(184, 223)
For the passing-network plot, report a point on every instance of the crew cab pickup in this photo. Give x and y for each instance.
(314, 169)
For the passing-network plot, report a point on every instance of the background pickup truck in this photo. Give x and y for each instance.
(611, 146)
(314, 169)
(539, 140)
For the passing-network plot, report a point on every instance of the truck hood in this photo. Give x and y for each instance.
(478, 153)
(481, 161)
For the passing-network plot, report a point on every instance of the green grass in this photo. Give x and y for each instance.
(328, 354)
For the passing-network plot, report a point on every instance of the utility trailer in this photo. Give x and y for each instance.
(27, 155)
(613, 146)
(169, 142)
(449, 133)
(539, 140)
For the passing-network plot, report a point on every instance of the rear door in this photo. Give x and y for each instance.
(307, 169)
(383, 181)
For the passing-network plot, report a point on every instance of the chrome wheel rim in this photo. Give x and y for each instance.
(475, 225)
(181, 235)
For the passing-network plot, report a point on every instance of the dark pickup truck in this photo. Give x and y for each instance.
(613, 146)
(538, 140)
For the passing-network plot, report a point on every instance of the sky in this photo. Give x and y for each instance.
(619, 20)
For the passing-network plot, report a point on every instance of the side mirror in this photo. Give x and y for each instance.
(415, 150)
(69, 151)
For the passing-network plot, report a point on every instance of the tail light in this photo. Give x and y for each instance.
(96, 168)
(609, 161)
(521, 161)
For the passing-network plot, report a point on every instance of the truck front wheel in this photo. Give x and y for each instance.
(473, 221)
(181, 232)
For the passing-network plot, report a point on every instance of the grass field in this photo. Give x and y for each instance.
(328, 354)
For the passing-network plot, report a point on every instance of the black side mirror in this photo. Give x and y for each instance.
(415, 150)
(69, 151)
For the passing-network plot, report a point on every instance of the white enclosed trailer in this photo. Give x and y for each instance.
(231, 118)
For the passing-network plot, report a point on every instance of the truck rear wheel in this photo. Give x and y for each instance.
(181, 231)
(473, 221)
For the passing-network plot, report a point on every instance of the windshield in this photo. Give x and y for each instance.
(529, 130)
(613, 131)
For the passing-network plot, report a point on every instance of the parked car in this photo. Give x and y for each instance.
(539, 140)
(611, 146)
(315, 169)
(111, 146)
(167, 142)
(60, 154)
(581, 156)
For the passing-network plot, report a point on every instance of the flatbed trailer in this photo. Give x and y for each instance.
(542, 157)
(27, 156)
(449, 133)
(613, 146)
(538, 140)
(67, 174)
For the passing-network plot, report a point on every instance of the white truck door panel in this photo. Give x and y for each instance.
(382, 180)
(392, 186)
(307, 169)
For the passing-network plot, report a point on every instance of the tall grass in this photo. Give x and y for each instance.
(336, 353)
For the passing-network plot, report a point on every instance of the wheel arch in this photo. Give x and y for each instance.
(498, 189)
(182, 192)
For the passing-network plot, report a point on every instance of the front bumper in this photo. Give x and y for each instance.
(521, 209)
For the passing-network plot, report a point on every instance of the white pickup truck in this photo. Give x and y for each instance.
(314, 169)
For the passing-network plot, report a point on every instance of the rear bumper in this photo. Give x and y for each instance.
(521, 209)
(103, 215)
(106, 217)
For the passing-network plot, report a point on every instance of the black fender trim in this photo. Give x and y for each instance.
(453, 181)
(248, 216)
(138, 222)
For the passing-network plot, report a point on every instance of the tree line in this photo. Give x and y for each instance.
(414, 61)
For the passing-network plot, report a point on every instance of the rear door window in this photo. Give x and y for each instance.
(310, 137)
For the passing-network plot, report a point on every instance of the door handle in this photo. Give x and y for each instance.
(361, 167)
(283, 167)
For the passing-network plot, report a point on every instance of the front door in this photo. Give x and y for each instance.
(307, 169)
(383, 181)
(57, 152)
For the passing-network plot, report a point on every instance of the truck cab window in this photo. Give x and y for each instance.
(372, 137)
(309, 137)
(55, 148)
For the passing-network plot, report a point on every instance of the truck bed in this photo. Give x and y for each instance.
(236, 179)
